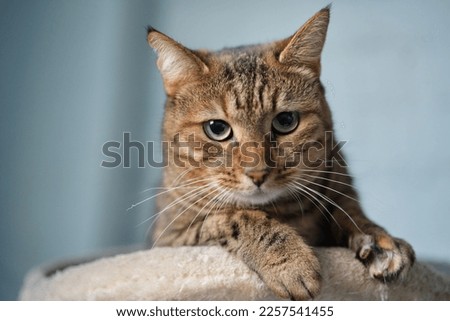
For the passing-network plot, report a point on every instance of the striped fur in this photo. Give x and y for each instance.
(211, 194)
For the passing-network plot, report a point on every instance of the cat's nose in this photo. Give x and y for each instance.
(257, 176)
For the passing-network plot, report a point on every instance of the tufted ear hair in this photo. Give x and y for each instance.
(178, 65)
(305, 46)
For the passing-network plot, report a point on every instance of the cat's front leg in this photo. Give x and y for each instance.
(387, 258)
(274, 251)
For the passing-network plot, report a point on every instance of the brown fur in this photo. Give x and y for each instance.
(266, 213)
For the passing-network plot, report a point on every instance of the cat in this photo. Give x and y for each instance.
(252, 164)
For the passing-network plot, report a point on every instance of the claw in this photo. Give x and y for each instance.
(385, 257)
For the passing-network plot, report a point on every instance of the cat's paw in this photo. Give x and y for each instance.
(294, 277)
(386, 258)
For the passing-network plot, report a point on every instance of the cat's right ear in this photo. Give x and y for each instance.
(178, 65)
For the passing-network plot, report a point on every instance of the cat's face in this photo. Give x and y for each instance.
(249, 121)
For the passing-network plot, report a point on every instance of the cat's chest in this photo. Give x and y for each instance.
(303, 216)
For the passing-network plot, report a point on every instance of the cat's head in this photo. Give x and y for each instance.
(248, 120)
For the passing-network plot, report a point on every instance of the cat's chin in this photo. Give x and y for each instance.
(256, 197)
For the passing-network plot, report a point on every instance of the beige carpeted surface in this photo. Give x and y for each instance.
(210, 273)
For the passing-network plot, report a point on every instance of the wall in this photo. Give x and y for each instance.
(76, 74)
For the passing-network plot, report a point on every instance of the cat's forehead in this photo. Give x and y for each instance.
(248, 87)
(251, 84)
(244, 62)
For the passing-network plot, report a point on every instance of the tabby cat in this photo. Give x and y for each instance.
(252, 164)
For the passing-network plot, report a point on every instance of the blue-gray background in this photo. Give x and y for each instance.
(75, 74)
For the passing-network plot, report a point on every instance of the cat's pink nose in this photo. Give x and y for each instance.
(258, 176)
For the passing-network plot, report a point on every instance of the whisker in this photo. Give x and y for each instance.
(151, 189)
(179, 177)
(303, 192)
(173, 184)
(274, 207)
(187, 196)
(184, 198)
(179, 215)
(169, 189)
(207, 203)
(328, 188)
(330, 180)
(325, 172)
(226, 196)
(326, 198)
(295, 196)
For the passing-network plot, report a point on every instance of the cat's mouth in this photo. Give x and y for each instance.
(257, 196)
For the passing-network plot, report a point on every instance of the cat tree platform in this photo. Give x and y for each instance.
(210, 273)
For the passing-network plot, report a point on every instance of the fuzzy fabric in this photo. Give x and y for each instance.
(210, 273)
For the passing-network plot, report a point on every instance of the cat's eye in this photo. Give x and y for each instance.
(217, 129)
(285, 122)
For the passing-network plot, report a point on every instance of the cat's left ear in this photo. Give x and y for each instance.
(305, 46)
(178, 65)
